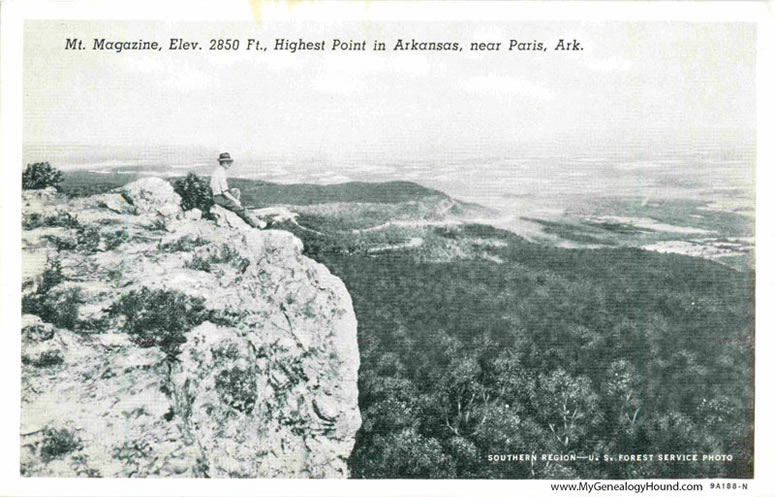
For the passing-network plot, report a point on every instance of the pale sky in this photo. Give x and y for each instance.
(634, 84)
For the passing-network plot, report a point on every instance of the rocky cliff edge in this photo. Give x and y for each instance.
(264, 384)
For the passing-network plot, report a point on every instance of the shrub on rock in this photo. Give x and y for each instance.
(45, 359)
(237, 388)
(58, 308)
(57, 443)
(159, 318)
(194, 192)
(40, 175)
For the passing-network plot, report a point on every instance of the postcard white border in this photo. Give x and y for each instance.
(14, 12)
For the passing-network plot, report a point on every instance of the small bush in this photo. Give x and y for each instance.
(195, 193)
(32, 221)
(81, 467)
(159, 318)
(133, 452)
(113, 240)
(61, 219)
(60, 310)
(87, 239)
(157, 225)
(226, 317)
(225, 255)
(40, 175)
(115, 273)
(184, 244)
(62, 243)
(64, 311)
(51, 277)
(228, 255)
(46, 359)
(199, 264)
(237, 388)
(58, 443)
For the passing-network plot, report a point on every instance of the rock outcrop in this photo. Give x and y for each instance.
(264, 385)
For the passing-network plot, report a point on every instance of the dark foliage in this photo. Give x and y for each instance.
(260, 193)
(47, 359)
(554, 351)
(199, 264)
(51, 277)
(184, 244)
(58, 308)
(61, 219)
(90, 239)
(116, 238)
(87, 239)
(194, 192)
(158, 318)
(237, 388)
(223, 255)
(40, 175)
(57, 443)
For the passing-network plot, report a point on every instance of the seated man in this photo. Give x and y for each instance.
(229, 198)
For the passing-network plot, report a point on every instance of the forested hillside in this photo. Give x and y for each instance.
(554, 351)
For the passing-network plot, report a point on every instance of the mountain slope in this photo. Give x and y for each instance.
(157, 343)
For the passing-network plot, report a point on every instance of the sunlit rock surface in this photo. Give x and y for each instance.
(265, 388)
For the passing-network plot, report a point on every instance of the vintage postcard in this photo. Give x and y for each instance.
(489, 248)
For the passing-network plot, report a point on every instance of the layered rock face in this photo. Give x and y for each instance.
(264, 384)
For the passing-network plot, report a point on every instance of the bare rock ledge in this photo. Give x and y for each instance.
(267, 390)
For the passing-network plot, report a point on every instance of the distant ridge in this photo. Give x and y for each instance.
(260, 193)
(390, 192)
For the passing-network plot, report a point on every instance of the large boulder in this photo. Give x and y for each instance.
(227, 219)
(153, 196)
(194, 214)
(114, 202)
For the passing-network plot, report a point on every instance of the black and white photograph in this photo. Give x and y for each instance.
(375, 245)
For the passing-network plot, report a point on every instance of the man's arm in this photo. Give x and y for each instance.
(227, 194)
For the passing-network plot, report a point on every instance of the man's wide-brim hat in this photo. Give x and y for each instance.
(225, 157)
